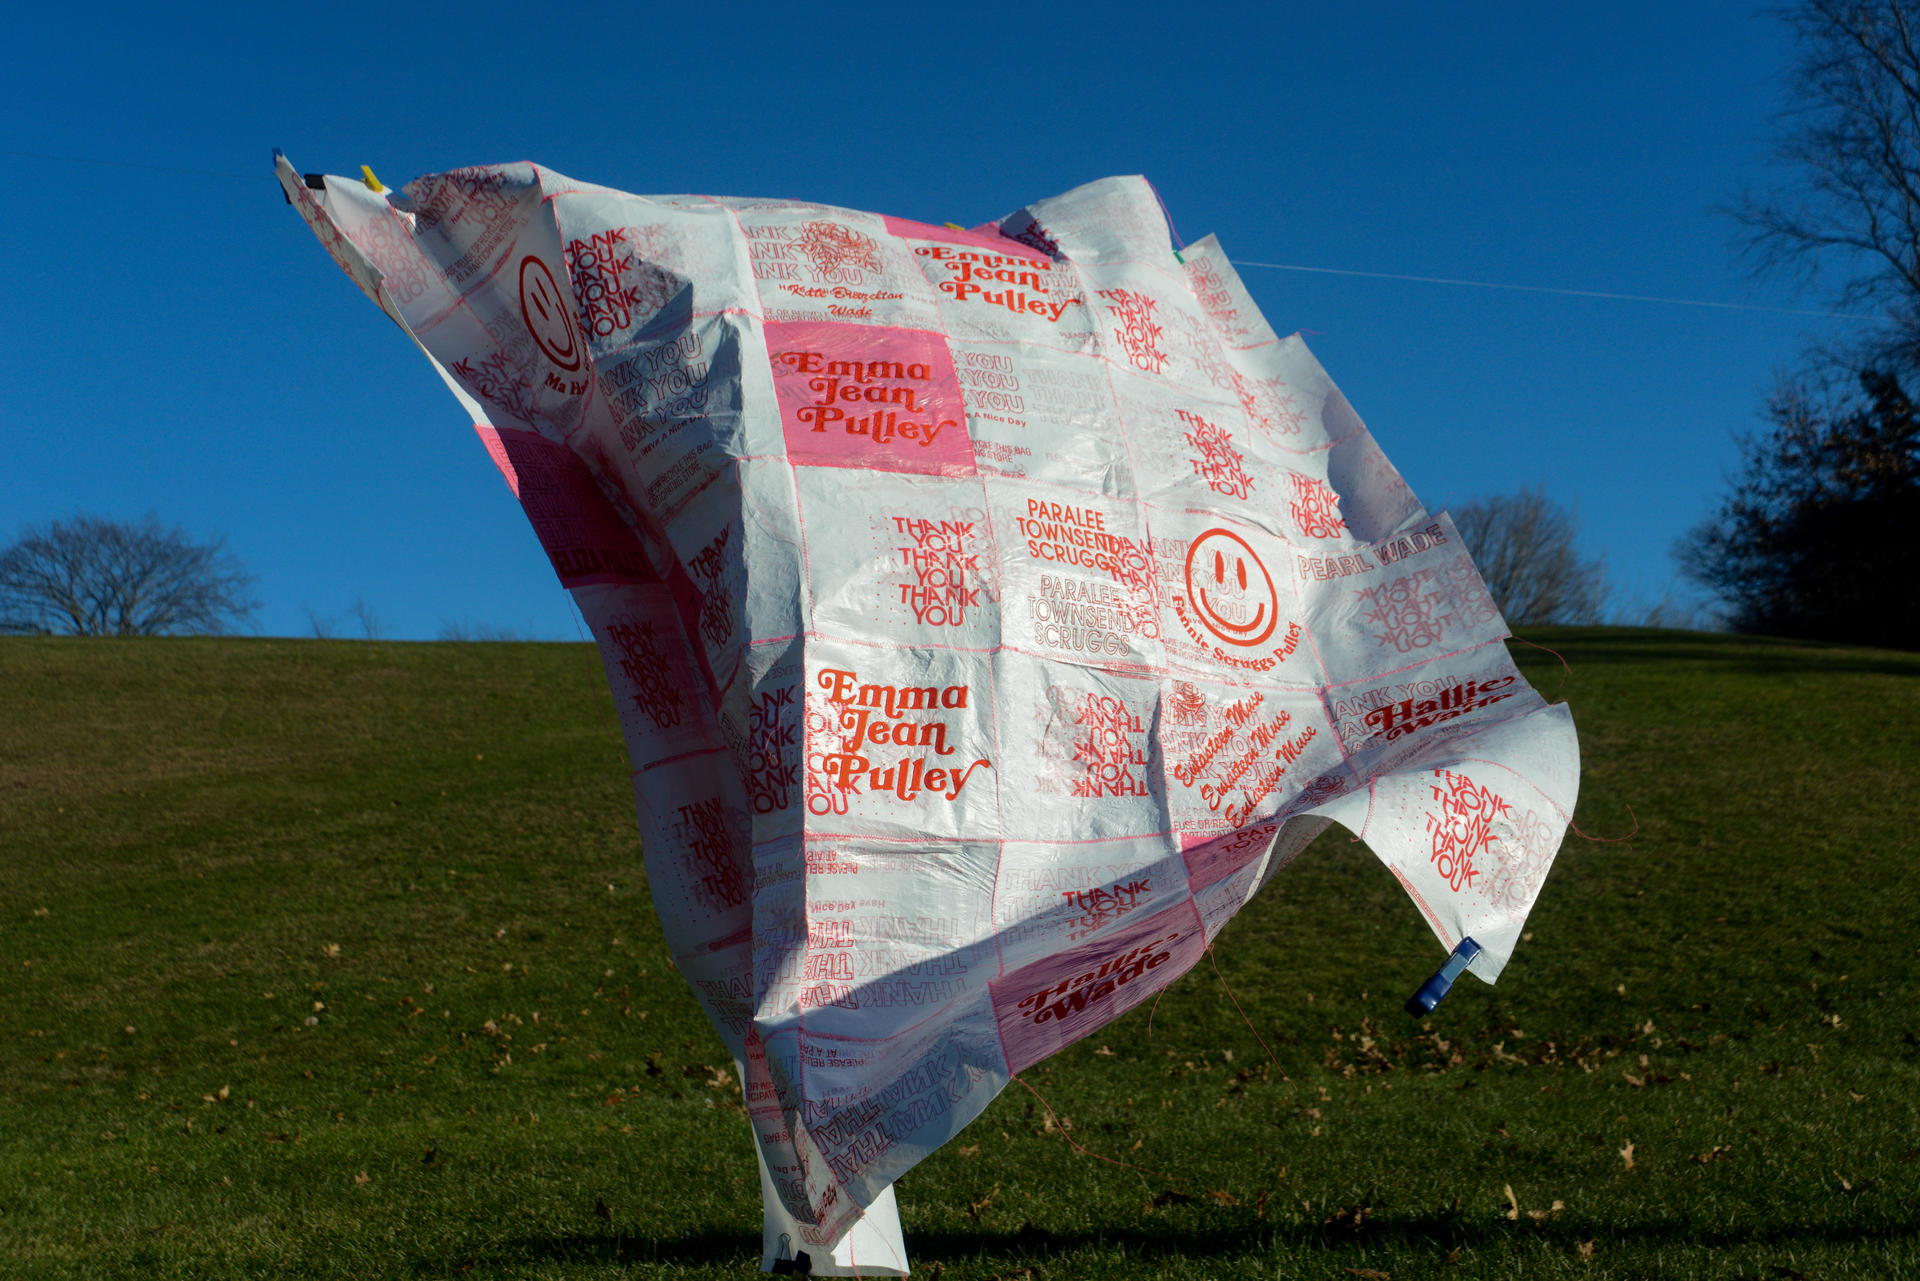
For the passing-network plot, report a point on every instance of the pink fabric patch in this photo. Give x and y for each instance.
(870, 397)
(583, 536)
(1053, 1002)
(1214, 858)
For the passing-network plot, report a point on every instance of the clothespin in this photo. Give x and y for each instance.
(954, 226)
(1177, 258)
(1435, 989)
(373, 183)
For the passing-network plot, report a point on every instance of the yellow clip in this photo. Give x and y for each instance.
(373, 183)
(956, 226)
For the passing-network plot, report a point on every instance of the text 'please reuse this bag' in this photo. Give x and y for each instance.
(990, 613)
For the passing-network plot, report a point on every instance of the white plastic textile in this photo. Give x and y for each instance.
(990, 614)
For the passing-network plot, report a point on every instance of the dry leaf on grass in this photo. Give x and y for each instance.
(1369, 1274)
(1626, 1154)
(361, 1179)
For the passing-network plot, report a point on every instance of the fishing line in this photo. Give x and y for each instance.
(1458, 282)
(1550, 289)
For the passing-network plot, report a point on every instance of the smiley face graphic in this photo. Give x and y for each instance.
(544, 307)
(1230, 589)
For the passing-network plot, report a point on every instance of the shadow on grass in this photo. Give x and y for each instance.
(1436, 1232)
(1753, 655)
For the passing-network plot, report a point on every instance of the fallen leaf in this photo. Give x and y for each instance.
(1626, 1154)
(1104, 1052)
(1844, 1185)
(223, 1094)
(974, 1207)
(1513, 1203)
(1719, 1153)
(1586, 1249)
(971, 1150)
(1223, 1197)
(361, 1179)
(1635, 1081)
(331, 949)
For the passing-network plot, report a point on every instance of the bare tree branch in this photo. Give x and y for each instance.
(1848, 152)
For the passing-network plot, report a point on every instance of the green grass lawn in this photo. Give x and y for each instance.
(335, 959)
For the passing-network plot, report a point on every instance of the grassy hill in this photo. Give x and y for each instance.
(335, 959)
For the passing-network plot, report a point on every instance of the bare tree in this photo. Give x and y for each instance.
(1525, 546)
(90, 576)
(1849, 152)
(370, 623)
(466, 630)
(1815, 538)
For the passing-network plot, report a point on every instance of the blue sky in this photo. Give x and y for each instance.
(178, 343)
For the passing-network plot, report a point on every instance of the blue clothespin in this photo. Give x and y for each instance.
(1435, 989)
